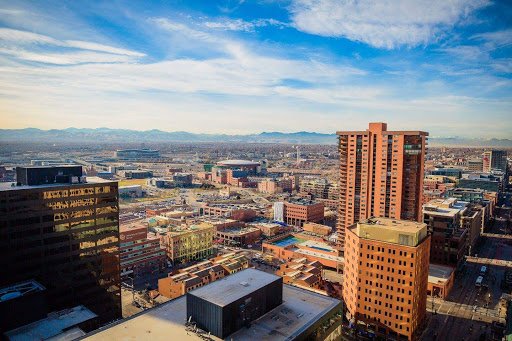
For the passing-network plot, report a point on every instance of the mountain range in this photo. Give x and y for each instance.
(108, 135)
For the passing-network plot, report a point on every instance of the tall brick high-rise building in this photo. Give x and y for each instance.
(381, 174)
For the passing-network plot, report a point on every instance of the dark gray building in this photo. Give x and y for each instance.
(62, 230)
(229, 304)
(137, 154)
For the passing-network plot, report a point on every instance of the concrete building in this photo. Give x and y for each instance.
(320, 188)
(248, 306)
(472, 220)
(68, 324)
(189, 243)
(252, 168)
(449, 239)
(136, 174)
(182, 179)
(488, 182)
(450, 172)
(137, 154)
(227, 305)
(495, 159)
(386, 277)
(476, 165)
(139, 250)
(62, 230)
(130, 191)
(381, 174)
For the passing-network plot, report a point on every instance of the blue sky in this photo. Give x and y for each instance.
(233, 67)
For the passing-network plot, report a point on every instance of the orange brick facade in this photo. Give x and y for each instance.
(297, 214)
(385, 285)
(381, 174)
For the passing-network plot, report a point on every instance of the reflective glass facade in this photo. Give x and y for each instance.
(67, 238)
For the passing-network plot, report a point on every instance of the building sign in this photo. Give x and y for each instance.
(133, 235)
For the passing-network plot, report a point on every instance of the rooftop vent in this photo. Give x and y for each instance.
(245, 284)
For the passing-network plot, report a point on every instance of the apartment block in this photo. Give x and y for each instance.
(381, 174)
(476, 165)
(494, 159)
(386, 277)
(449, 238)
(188, 243)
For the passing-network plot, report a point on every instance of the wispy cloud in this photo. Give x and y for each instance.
(241, 25)
(180, 68)
(17, 43)
(382, 24)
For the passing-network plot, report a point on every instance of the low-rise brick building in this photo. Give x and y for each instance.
(140, 252)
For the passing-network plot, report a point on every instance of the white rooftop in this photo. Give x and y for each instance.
(167, 321)
(445, 207)
(229, 289)
(11, 186)
(318, 254)
(238, 163)
(56, 326)
(318, 245)
(439, 273)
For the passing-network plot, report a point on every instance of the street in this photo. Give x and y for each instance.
(468, 311)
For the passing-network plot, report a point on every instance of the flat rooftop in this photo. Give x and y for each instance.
(317, 245)
(132, 225)
(20, 289)
(167, 321)
(389, 230)
(445, 207)
(318, 255)
(238, 230)
(55, 324)
(393, 224)
(228, 289)
(439, 273)
(91, 180)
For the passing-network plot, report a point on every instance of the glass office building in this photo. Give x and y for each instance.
(62, 230)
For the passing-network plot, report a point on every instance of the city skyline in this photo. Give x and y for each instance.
(261, 66)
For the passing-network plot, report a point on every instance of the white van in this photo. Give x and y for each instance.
(479, 281)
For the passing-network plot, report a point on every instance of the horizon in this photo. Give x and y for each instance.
(258, 66)
(227, 134)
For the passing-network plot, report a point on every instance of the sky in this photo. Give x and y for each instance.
(237, 67)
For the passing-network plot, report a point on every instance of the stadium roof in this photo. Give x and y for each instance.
(237, 163)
